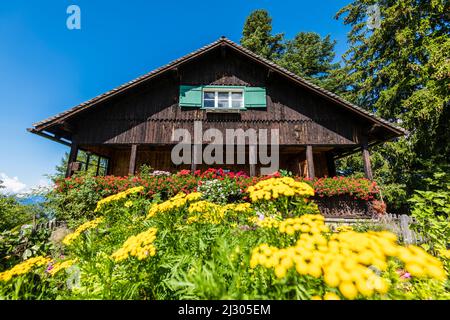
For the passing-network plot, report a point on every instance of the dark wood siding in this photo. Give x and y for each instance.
(149, 113)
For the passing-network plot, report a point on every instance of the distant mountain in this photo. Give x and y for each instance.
(30, 199)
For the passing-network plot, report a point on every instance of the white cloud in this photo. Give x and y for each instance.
(11, 185)
(43, 186)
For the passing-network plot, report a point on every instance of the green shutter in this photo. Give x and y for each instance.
(255, 97)
(190, 96)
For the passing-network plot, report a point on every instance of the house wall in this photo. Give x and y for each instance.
(150, 113)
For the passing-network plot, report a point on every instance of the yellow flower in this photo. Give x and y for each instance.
(116, 197)
(24, 267)
(331, 296)
(175, 203)
(128, 204)
(342, 260)
(139, 246)
(331, 279)
(58, 266)
(78, 231)
(344, 228)
(316, 298)
(348, 290)
(280, 271)
(273, 188)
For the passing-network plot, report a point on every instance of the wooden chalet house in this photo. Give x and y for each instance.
(225, 86)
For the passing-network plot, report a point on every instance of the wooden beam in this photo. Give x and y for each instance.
(88, 159)
(331, 165)
(133, 156)
(194, 157)
(72, 158)
(310, 161)
(366, 162)
(64, 125)
(48, 136)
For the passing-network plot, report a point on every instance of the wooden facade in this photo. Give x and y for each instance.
(133, 124)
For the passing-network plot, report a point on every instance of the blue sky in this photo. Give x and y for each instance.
(46, 68)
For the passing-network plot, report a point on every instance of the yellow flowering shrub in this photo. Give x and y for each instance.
(128, 204)
(343, 228)
(274, 188)
(208, 212)
(24, 267)
(62, 265)
(205, 212)
(139, 246)
(342, 260)
(308, 223)
(176, 202)
(78, 231)
(116, 197)
(265, 222)
(445, 253)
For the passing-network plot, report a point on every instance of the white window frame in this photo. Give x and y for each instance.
(216, 97)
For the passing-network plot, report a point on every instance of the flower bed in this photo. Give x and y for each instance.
(272, 245)
(337, 196)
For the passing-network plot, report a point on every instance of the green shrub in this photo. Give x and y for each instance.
(12, 213)
(431, 211)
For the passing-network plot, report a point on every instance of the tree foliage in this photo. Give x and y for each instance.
(12, 213)
(307, 54)
(257, 35)
(401, 71)
(310, 56)
(398, 68)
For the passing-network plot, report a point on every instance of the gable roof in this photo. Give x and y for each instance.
(42, 125)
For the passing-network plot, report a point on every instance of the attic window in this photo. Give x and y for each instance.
(223, 98)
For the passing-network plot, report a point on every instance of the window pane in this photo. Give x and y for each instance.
(93, 160)
(208, 103)
(223, 95)
(236, 95)
(236, 104)
(222, 104)
(209, 95)
(102, 172)
(104, 162)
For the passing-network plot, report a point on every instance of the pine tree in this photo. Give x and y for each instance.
(310, 56)
(257, 35)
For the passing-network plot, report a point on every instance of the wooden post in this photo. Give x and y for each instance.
(252, 159)
(366, 161)
(195, 154)
(331, 165)
(88, 158)
(72, 158)
(133, 156)
(310, 162)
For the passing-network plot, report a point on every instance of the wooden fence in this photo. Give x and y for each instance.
(398, 224)
(51, 225)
